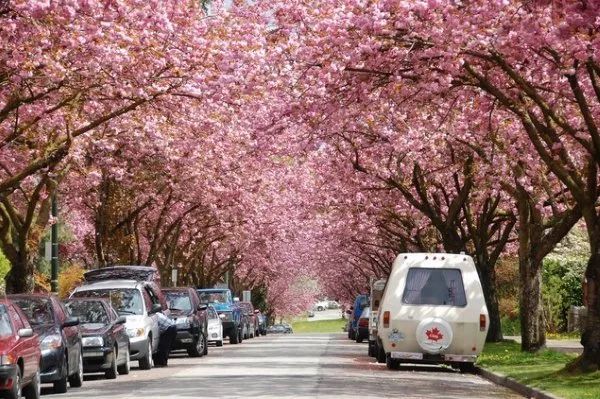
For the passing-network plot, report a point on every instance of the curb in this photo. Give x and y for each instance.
(512, 384)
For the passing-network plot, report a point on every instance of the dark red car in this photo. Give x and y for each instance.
(19, 354)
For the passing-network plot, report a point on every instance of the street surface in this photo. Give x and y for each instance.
(287, 366)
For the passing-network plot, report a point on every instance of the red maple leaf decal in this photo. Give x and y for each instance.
(434, 334)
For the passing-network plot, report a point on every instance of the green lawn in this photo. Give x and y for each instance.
(542, 370)
(321, 326)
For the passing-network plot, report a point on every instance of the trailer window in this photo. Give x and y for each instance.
(427, 286)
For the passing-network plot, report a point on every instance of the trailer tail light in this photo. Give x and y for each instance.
(482, 322)
(386, 319)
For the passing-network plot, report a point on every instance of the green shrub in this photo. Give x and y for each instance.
(510, 326)
(562, 288)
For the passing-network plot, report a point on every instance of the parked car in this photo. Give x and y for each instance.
(288, 328)
(377, 288)
(132, 299)
(360, 303)
(190, 318)
(229, 311)
(149, 275)
(425, 316)
(262, 323)
(251, 317)
(362, 330)
(277, 329)
(60, 339)
(321, 305)
(333, 305)
(215, 326)
(310, 313)
(105, 340)
(20, 354)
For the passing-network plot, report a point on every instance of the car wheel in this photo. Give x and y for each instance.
(15, 392)
(392, 364)
(380, 353)
(60, 386)
(76, 380)
(125, 367)
(371, 350)
(111, 373)
(352, 334)
(359, 338)
(147, 362)
(197, 349)
(33, 390)
(234, 338)
(466, 367)
(219, 343)
(241, 338)
(205, 345)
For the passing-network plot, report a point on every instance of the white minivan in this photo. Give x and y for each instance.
(432, 311)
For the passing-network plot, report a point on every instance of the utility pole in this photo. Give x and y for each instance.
(54, 240)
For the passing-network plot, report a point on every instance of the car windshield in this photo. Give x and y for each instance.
(5, 326)
(213, 297)
(212, 314)
(178, 300)
(126, 301)
(37, 310)
(427, 286)
(88, 311)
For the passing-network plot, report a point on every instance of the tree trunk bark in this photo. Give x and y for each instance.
(20, 277)
(487, 275)
(590, 338)
(533, 326)
(589, 360)
(531, 311)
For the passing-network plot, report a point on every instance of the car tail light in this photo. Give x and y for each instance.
(386, 319)
(482, 322)
(363, 323)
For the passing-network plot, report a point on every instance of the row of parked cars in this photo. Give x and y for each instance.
(108, 322)
(431, 310)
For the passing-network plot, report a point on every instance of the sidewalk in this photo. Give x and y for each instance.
(559, 345)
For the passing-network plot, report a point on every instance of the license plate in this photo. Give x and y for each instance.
(460, 358)
(407, 355)
(187, 340)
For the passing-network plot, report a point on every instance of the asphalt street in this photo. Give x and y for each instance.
(287, 366)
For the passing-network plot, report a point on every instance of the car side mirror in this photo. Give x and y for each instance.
(256, 311)
(157, 307)
(70, 322)
(121, 320)
(202, 307)
(25, 333)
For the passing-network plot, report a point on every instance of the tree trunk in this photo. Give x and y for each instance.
(590, 338)
(589, 360)
(487, 275)
(20, 277)
(531, 229)
(533, 326)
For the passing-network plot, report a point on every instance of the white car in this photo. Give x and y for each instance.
(131, 299)
(432, 311)
(321, 305)
(215, 326)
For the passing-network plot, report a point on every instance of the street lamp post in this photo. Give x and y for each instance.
(54, 240)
